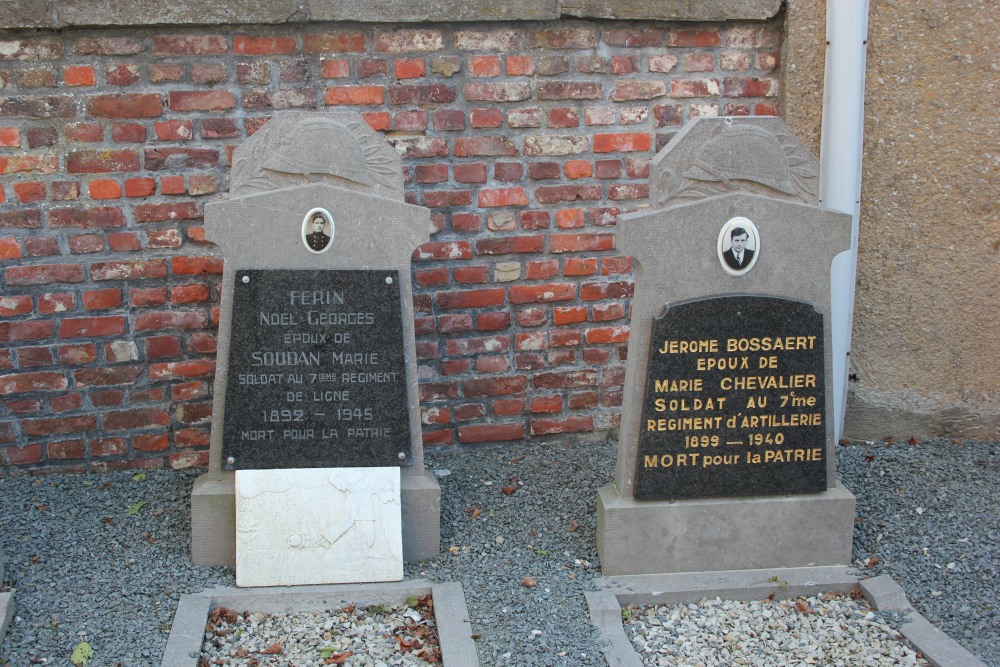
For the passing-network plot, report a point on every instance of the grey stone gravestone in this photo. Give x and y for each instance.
(316, 352)
(725, 457)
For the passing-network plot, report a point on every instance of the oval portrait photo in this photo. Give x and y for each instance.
(317, 230)
(739, 246)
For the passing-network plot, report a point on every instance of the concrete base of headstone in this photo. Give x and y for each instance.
(213, 518)
(710, 534)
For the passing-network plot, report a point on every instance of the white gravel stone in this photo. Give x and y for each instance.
(380, 636)
(832, 630)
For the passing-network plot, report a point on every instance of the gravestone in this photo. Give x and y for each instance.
(726, 452)
(316, 365)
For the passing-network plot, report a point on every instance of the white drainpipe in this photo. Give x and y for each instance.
(840, 169)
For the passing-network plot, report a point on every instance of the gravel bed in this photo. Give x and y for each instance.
(832, 630)
(928, 515)
(518, 531)
(378, 636)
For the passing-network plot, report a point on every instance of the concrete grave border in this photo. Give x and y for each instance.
(882, 592)
(451, 613)
(6, 613)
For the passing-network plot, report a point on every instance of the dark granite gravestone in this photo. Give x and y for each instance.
(725, 454)
(317, 375)
(316, 351)
(734, 402)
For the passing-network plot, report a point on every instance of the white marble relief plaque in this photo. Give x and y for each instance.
(318, 526)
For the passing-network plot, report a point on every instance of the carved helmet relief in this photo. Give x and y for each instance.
(721, 155)
(298, 148)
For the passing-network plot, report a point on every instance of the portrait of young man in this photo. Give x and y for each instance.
(317, 230)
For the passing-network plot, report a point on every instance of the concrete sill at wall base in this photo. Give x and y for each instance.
(882, 593)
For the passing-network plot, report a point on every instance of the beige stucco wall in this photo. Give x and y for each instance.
(926, 349)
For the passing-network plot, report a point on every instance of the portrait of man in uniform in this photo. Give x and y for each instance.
(317, 230)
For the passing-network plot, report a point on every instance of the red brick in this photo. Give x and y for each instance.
(411, 121)
(433, 93)
(484, 146)
(615, 290)
(79, 75)
(569, 315)
(209, 73)
(248, 45)
(181, 369)
(626, 141)
(578, 424)
(25, 455)
(509, 91)
(201, 100)
(102, 161)
(83, 353)
(194, 413)
(128, 133)
(171, 319)
(502, 197)
(105, 189)
(491, 432)
(534, 220)
(193, 293)
(128, 270)
(103, 217)
(638, 90)
(469, 411)
(29, 163)
(66, 449)
(135, 419)
(693, 37)
(542, 270)
(485, 66)
(491, 364)
(203, 343)
(124, 241)
(431, 173)
(695, 88)
(543, 404)
(355, 95)
(604, 312)
(564, 38)
(567, 193)
(86, 243)
(481, 298)
(102, 299)
(84, 132)
(19, 304)
(55, 302)
(108, 447)
(369, 67)
(29, 192)
(122, 75)
(542, 293)
(505, 245)
(38, 427)
(172, 185)
(334, 42)
(539, 171)
(519, 66)
(191, 266)
(109, 46)
(443, 250)
(448, 324)
(576, 266)
(495, 321)
(162, 212)
(448, 120)
(164, 238)
(174, 130)
(10, 137)
(405, 40)
(107, 376)
(91, 327)
(570, 90)
(486, 118)
(42, 246)
(749, 87)
(22, 383)
(494, 386)
(471, 275)
(140, 187)
(410, 68)
(125, 105)
(43, 274)
(150, 443)
(624, 64)
(633, 37)
(190, 45)
(438, 391)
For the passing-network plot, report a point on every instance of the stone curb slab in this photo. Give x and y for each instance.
(6, 613)
(882, 593)
(450, 613)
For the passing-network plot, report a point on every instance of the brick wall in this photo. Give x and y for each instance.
(525, 139)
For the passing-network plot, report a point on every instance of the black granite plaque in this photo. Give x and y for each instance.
(734, 401)
(317, 372)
